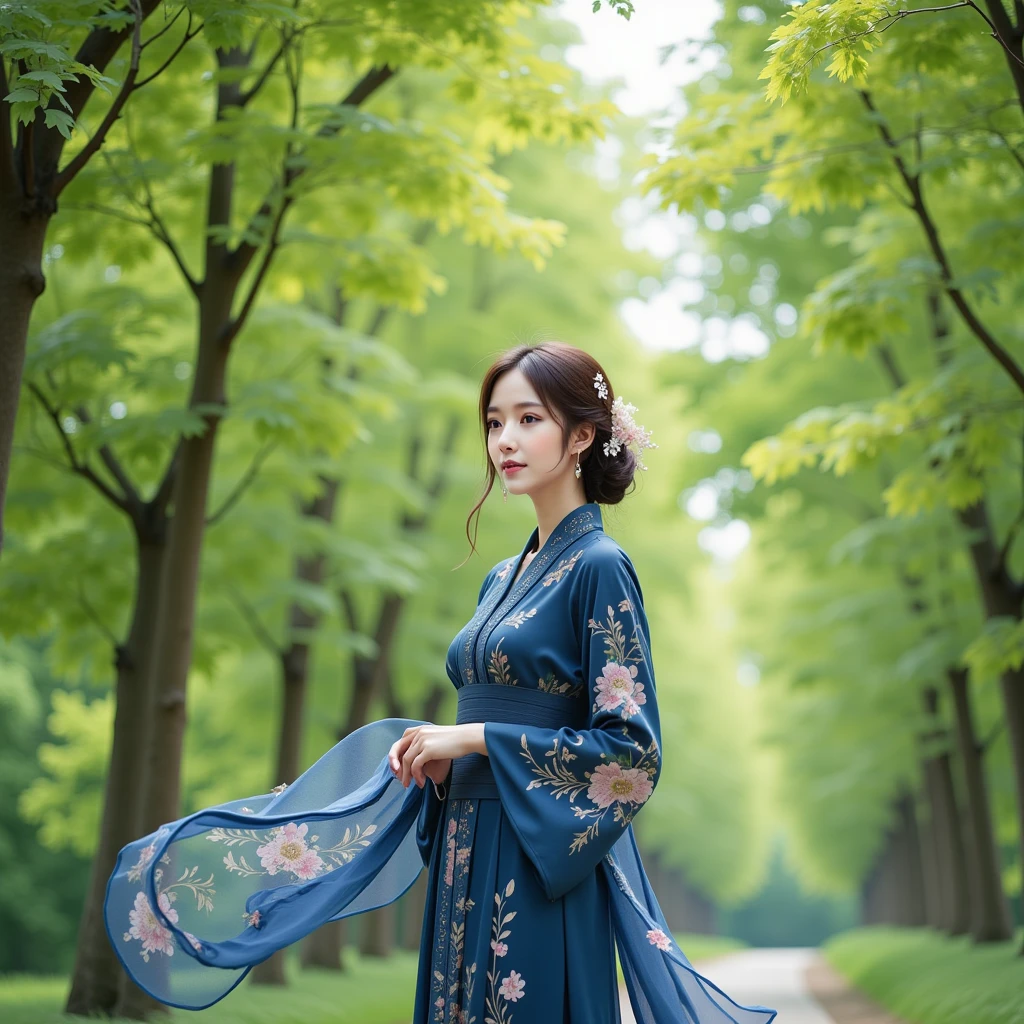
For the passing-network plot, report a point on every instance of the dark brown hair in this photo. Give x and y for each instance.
(563, 377)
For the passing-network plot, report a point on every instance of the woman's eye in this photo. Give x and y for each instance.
(530, 416)
(491, 423)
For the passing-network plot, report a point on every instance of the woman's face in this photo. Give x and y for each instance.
(522, 433)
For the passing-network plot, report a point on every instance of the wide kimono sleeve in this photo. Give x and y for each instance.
(570, 794)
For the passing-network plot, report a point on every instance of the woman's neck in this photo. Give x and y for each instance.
(552, 509)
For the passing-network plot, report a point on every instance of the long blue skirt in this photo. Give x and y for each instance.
(494, 947)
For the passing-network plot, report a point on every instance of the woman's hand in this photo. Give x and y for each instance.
(427, 751)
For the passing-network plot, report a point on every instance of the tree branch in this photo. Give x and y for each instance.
(260, 631)
(112, 463)
(349, 607)
(82, 469)
(952, 130)
(170, 24)
(243, 484)
(185, 40)
(959, 300)
(162, 495)
(1003, 30)
(288, 174)
(267, 71)
(8, 168)
(987, 742)
(115, 643)
(66, 176)
(161, 232)
(373, 80)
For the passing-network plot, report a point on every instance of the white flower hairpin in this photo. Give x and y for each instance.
(625, 431)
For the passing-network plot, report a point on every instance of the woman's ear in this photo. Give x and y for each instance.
(585, 434)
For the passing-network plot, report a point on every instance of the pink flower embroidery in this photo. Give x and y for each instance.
(145, 927)
(656, 937)
(512, 986)
(616, 688)
(288, 851)
(500, 948)
(462, 854)
(611, 783)
(193, 941)
(253, 919)
(439, 1002)
(145, 856)
(449, 864)
(451, 827)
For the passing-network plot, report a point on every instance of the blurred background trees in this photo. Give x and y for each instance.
(246, 440)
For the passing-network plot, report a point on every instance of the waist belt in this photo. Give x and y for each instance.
(513, 705)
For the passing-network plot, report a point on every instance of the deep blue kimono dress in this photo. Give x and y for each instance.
(518, 924)
(534, 880)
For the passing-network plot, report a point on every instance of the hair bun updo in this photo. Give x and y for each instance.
(566, 380)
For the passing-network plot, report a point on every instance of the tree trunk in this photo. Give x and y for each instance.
(902, 897)
(21, 283)
(1000, 596)
(324, 948)
(990, 919)
(294, 686)
(377, 932)
(934, 897)
(952, 857)
(97, 979)
(171, 655)
(1011, 42)
(414, 905)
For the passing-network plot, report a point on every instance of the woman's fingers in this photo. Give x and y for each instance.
(399, 748)
(417, 768)
(407, 758)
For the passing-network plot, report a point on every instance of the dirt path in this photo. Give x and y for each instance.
(796, 982)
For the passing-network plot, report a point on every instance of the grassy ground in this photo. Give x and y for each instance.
(370, 992)
(926, 978)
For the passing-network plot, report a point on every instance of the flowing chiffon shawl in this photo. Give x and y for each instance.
(192, 907)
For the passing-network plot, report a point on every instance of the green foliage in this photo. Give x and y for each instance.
(921, 975)
(65, 802)
(35, 932)
(881, 387)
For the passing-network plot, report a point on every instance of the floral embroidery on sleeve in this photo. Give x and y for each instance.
(618, 785)
(617, 688)
(503, 572)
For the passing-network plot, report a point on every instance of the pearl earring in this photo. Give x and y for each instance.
(579, 472)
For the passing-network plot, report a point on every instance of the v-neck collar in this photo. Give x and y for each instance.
(580, 521)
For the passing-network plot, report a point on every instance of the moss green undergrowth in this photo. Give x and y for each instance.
(371, 991)
(927, 978)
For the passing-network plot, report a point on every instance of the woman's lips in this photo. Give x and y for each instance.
(512, 467)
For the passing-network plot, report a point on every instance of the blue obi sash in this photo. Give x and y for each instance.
(471, 775)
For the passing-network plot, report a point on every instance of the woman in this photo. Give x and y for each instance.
(533, 877)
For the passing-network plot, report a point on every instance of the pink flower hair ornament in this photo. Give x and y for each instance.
(625, 431)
